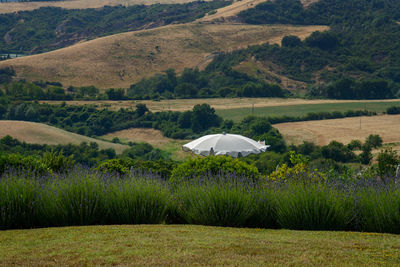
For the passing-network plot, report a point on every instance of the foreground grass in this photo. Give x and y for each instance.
(186, 245)
(238, 114)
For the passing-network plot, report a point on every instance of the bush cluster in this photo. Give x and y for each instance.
(87, 197)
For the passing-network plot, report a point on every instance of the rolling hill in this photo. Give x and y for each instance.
(122, 59)
(38, 133)
(80, 4)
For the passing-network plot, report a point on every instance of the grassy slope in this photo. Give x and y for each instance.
(152, 137)
(38, 133)
(186, 245)
(122, 59)
(81, 4)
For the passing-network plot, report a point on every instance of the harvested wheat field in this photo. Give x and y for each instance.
(152, 137)
(342, 130)
(38, 133)
(80, 4)
(122, 59)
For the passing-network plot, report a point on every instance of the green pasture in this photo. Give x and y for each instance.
(188, 245)
(238, 114)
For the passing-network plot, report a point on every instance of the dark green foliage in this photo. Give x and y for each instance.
(393, 110)
(355, 145)
(196, 168)
(338, 152)
(204, 117)
(50, 28)
(163, 168)
(374, 140)
(362, 43)
(53, 157)
(366, 155)
(141, 109)
(22, 90)
(388, 161)
(116, 94)
(211, 82)
(89, 121)
(291, 41)
(6, 75)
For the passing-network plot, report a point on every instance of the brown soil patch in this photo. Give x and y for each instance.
(216, 103)
(342, 130)
(80, 4)
(38, 133)
(122, 59)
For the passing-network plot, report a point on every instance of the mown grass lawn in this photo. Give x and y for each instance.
(238, 114)
(187, 245)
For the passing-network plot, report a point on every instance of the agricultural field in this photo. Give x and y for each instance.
(237, 108)
(152, 137)
(238, 114)
(185, 245)
(342, 130)
(117, 61)
(38, 133)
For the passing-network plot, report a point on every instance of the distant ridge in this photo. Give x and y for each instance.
(122, 59)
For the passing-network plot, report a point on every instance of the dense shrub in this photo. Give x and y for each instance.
(314, 207)
(213, 165)
(79, 198)
(380, 210)
(87, 197)
(218, 204)
(163, 168)
(17, 202)
(137, 201)
(393, 110)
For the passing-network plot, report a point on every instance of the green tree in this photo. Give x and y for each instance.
(204, 117)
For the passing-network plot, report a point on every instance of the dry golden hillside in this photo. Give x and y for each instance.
(38, 133)
(81, 4)
(122, 59)
(229, 12)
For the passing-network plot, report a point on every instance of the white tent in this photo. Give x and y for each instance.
(225, 144)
